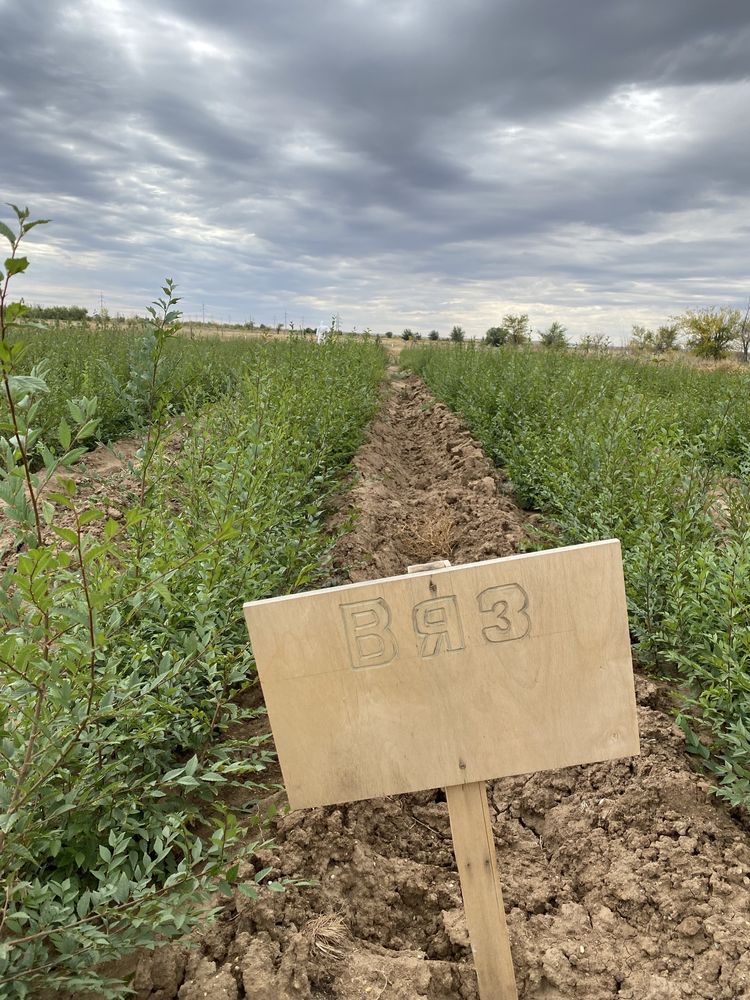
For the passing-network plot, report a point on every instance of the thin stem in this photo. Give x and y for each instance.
(89, 614)
(17, 798)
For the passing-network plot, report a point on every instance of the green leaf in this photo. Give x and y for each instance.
(122, 890)
(64, 434)
(48, 458)
(67, 485)
(87, 430)
(67, 534)
(91, 515)
(77, 615)
(73, 456)
(7, 233)
(16, 265)
(22, 385)
(14, 312)
(187, 781)
(110, 529)
(17, 920)
(248, 890)
(61, 498)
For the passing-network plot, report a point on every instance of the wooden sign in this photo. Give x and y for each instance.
(450, 676)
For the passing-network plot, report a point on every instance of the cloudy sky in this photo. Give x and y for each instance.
(400, 162)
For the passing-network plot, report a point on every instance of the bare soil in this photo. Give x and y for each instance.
(625, 879)
(104, 478)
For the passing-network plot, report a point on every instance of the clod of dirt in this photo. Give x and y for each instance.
(622, 880)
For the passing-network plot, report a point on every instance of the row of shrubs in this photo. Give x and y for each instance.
(659, 457)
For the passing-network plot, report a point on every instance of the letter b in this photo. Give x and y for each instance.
(371, 642)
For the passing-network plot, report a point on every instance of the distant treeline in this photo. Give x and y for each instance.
(77, 313)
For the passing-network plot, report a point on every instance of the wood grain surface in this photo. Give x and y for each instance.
(448, 676)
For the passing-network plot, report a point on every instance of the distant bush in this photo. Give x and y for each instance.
(664, 338)
(594, 343)
(554, 336)
(514, 330)
(496, 336)
(74, 313)
(518, 328)
(710, 332)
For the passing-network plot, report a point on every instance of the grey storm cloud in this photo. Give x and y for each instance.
(402, 163)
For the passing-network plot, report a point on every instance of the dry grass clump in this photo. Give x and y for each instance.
(434, 537)
(328, 936)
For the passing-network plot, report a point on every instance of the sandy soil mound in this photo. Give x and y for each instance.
(623, 879)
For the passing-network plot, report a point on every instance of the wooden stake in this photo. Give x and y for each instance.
(474, 848)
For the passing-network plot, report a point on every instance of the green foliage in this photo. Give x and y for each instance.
(457, 334)
(554, 336)
(123, 649)
(514, 330)
(641, 337)
(67, 313)
(658, 456)
(407, 334)
(496, 336)
(114, 364)
(517, 329)
(710, 332)
(594, 343)
(433, 335)
(664, 338)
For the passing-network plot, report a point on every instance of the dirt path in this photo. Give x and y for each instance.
(621, 879)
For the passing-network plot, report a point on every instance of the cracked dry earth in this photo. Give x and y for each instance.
(625, 879)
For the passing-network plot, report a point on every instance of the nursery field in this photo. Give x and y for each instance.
(123, 653)
(114, 363)
(625, 880)
(151, 483)
(657, 455)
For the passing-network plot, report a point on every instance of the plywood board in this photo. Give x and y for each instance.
(449, 676)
